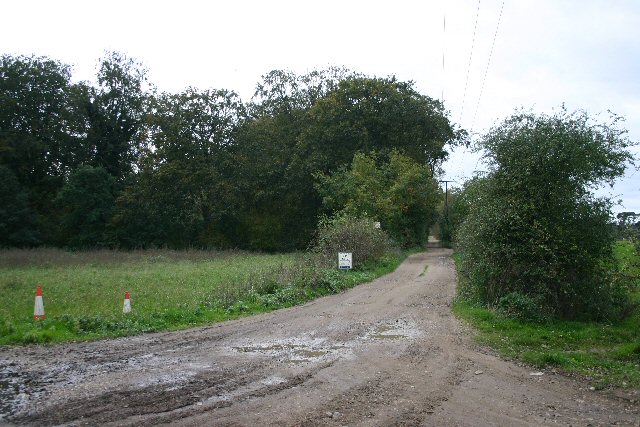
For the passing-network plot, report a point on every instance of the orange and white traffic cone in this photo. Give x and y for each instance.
(38, 310)
(127, 303)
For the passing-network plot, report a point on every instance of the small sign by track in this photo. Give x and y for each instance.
(344, 260)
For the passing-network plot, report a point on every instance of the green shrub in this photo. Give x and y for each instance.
(359, 236)
(522, 307)
(459, 203)
(534, 229)
(399, 192)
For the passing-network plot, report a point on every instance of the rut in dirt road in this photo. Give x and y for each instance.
(386, 353)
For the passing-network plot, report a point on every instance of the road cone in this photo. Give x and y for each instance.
(38, 310)
(127, 303)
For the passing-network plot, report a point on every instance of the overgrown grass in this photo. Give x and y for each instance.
(84, 292)
(607, 355)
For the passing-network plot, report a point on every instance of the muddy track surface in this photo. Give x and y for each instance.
(385, 353)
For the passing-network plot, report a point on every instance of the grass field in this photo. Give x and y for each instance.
(84, 292)
(607, 355)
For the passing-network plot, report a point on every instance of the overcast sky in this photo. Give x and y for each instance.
(583, 53)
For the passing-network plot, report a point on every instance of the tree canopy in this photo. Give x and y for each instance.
(375, 115)
(114, 163)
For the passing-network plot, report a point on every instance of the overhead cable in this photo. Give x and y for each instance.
(487, 67)
(444, 40)
(473, 40)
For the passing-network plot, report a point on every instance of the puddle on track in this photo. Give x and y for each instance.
(385, 332)
(393, 330)
(296, 353)
(308, 354)
(310, 349)
(297, 350)
(276, 348)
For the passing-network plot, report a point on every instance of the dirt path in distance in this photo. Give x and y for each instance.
(385, 353)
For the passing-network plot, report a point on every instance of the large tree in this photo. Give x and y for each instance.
(184, 190)
(280, 206)
(40, 133)
(375, 115)
(535, 233)
(115, 112)
(302, 125)
(35, 117)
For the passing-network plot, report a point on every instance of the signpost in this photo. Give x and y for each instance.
(344, 260)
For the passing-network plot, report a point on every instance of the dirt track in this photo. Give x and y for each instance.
(385, 353)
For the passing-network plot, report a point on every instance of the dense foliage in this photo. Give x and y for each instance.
(116, 164)
(455, 209)
(85, 203)
(357, 235)
(535, 238)
(17, 222)
(399, 193)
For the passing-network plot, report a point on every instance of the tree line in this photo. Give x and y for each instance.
(117, 164)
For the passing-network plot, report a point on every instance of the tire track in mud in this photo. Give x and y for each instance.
(385, 353)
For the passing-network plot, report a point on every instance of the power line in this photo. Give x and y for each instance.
(487, 68)
(444, 41)
(473, 40)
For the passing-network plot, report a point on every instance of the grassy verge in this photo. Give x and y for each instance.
(607, 355)
(84, 292)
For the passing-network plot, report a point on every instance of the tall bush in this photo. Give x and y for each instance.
(345, 233)
(534, 227)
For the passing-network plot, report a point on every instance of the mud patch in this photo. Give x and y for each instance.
(13, 390)
(273, 380)
(400, 329)
(19, 388)
(295, 351)
(266, 349)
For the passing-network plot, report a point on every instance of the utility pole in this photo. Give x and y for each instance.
(444, 234)
(446, 198)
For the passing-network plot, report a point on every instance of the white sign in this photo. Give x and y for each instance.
(344, 260)
(376, 225)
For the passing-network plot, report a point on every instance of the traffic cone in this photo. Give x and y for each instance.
(127, 303)
(38, 310)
